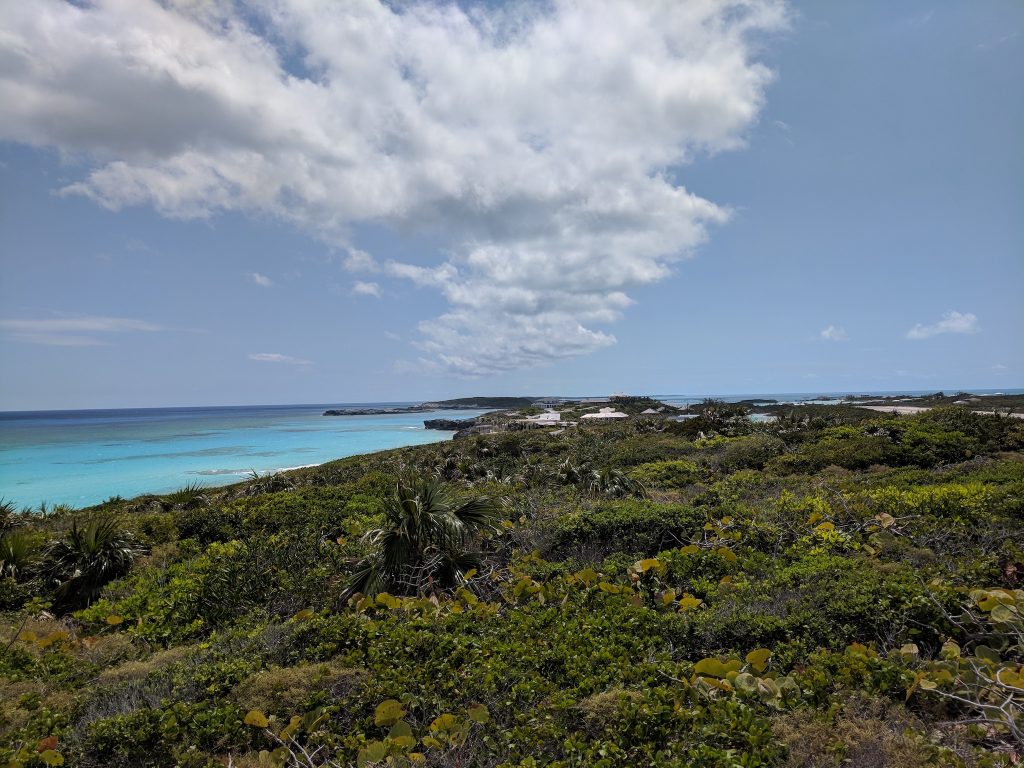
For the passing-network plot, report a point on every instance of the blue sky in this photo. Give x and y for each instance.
(682, 198)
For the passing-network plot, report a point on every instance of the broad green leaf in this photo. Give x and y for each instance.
(478, 713)
(388, 712)
(304, 615)
(113, 620)
(373, 752)
(443, 723)
(688, 602)
(51, 757)
(910, 651)
(289, 730)
(985, 653)
(400, 729)
(726, 554)
(745, 682)
(758, 658)
(256, 719)
(1011, 677)
(712, 667)
(689, 549)
(1003, 614)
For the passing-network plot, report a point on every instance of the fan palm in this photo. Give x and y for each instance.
(614, 483)
(87, 558)
(19, 553)
(426, 542)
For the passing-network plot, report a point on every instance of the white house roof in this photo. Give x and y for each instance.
(606, 413)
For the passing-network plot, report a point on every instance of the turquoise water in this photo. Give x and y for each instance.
(83, 457)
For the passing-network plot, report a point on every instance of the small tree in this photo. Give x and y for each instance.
(427, 540)
(89, 557)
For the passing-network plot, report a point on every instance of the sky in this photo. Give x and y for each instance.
(302, 201)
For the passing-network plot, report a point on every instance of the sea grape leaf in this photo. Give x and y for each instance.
(388, 712)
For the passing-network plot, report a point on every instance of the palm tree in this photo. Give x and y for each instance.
(426, 542)
(19, 552)
(88, 558)
(614, 483)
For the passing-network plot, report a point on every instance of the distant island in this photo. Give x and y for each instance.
(457, 404)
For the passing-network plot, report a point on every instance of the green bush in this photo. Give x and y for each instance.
(667, 474)
(633, 526)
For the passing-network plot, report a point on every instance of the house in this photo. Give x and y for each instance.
(606, 413)
(546, 419)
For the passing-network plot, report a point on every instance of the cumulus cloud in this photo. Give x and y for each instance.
(72, 331)
(274, 357)
(833, 333)
(260, 280)
(366, 289)
(951, 322)
(541, 144)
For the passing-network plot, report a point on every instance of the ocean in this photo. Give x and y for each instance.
(84, 457)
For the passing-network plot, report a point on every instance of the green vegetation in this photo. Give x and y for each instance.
(833, 588)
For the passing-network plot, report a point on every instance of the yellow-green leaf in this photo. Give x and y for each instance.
(1003, 614)
(909, 651)
(373, 752)
(51, 757)
(400, 729)
(113, 620)
(388, 712)
(256, 719)
(478, 713)
(444, 722)
(758, 658)
(712, 667)
(688, 602)
(304, 615)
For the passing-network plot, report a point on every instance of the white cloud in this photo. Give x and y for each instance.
(951, 322)
(360, 261)
(261, 280)
(832, 333)
(366, 289)
(72, 331)
(273, 357)
(540, 142)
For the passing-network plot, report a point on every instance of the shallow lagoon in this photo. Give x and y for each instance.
(84, 457)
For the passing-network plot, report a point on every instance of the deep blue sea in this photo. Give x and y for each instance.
(84, 457)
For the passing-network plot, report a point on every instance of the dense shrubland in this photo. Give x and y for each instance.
(837, 587)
